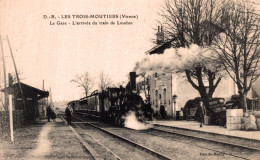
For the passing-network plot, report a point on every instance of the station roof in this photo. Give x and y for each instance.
(13, 89)
(159, 49)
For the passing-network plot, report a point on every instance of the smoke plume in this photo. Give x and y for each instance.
(176, 60)
(132, 122)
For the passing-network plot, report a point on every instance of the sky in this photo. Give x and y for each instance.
(57, 53)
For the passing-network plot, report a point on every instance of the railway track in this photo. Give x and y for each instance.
(134, 132)
(250, 144)
(163, 131)
(146, 153)
(217, 148)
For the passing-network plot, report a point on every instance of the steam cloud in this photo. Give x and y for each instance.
(133, 123)
(179, 59)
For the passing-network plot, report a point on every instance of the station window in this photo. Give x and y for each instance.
(164, 96)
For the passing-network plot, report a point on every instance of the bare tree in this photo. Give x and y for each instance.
(189, 22)
(104, 81)
(143, 85)
(238, 47)
(84, 81)
(12, 79)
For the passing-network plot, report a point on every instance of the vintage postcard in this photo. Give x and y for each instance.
(129, 79)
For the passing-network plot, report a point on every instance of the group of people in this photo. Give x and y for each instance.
(51, 114)
(201, 111)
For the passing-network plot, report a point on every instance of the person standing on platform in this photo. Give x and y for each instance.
(49, 110)
(163, 112)
(53, 115)
(68, 112)
(201, 113)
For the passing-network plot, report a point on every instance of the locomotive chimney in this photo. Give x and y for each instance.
(133, 81)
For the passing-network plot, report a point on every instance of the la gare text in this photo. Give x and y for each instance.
(91, 23)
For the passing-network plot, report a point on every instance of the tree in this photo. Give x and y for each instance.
(104, 81)
(143, 85)
(195, 22)
(12, 79)
(238, 47)
(84, 81)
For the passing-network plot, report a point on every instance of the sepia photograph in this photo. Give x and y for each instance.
(129, 79)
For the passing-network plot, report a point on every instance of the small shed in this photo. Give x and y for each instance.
(31, 95)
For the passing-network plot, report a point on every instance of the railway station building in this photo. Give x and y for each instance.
(29, 103)
(173, 91)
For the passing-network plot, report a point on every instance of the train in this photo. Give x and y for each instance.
(113, 104)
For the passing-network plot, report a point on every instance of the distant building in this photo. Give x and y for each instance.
(31, 95)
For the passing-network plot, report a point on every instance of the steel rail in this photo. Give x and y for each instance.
(200, 138)
(212, 140)
(198, 131)
(117, 157)
(159, 155)
(90, 149)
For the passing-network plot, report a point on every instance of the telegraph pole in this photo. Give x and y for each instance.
(16, 73)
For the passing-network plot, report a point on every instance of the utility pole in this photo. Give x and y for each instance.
(16, 72)
(5, 83)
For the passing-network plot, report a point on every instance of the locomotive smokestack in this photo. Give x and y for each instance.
(133, 81)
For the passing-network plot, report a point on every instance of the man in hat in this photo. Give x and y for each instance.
(68, 112)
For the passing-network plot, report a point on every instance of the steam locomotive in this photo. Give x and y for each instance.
(113, 104)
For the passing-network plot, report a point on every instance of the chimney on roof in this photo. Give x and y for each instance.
(160, 35)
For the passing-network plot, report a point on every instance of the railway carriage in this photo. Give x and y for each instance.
(75, 105)
(112, 104)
